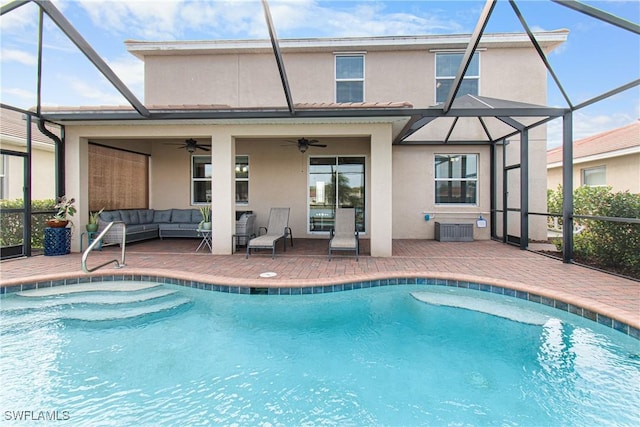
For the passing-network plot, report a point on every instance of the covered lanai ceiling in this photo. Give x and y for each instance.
(449, 121)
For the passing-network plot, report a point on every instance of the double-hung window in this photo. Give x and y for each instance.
(456, 178)
(350, 78)
(447, 65)
(201, 179)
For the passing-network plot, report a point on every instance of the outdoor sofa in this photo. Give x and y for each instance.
(144, 224)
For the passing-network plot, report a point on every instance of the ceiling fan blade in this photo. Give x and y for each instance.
(317, 145)
(203, 147)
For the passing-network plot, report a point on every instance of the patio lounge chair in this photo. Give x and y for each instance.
(277, 228)
(344, 236)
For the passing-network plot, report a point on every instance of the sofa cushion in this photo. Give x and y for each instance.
(130, 217)
(196, 216)
(135, 228)
(162, 216)
(181, 215)
(108, 216)
(145, 216)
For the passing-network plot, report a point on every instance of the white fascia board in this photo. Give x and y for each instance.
(142, 48)
(600, 156)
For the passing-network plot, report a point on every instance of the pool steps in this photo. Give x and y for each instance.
(96, 302)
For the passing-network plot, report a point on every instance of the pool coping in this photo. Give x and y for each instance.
(586, 308)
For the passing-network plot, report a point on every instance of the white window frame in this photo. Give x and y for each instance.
(366, 190)
(466, 77)
(238, 202)
(205, 179)
(337, 80)
(583, 179)
(193, 179)
(450, 179)
(3, 175)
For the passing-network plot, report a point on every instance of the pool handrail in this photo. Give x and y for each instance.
(98, 239)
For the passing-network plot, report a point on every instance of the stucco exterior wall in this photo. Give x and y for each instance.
(622, 173)
(414, 192)
(252, 80)
(42, 173)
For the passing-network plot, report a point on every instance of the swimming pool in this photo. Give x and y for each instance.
(378, 356)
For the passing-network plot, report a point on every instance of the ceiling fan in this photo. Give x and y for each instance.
(191, 145)
(304, 144)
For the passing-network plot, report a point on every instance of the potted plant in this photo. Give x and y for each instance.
(205, 224)
(92, 226)
(66, 209)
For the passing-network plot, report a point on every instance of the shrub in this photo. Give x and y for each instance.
(12, 223)
(608, 243)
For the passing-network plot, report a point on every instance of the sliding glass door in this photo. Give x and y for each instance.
(335, 182)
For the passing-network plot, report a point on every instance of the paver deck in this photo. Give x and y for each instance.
(307, 264)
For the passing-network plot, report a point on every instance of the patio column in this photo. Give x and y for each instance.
(223, 221)
(381, 228)
(567, 188)
(76, 153)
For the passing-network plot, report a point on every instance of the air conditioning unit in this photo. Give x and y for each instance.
(454, 232)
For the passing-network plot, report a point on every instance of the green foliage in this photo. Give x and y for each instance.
(609, 243)
(12, 223)
(94, 216)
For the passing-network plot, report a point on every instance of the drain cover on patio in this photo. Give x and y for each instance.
(268, 274)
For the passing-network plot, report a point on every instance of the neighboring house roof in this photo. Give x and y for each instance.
(13, 130)
(612, 143)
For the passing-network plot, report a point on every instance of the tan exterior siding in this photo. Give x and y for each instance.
(622, 173)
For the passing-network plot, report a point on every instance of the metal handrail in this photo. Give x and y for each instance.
(98, 240)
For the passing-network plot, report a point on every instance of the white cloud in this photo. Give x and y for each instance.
(13, 55)
(179, 19)
(131, 72)
(585, 125)
(88, 94)
(20, 93)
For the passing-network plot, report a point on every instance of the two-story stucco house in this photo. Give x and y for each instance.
(228, 97)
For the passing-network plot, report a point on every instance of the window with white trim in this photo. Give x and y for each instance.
(447, 65)
(242, 180)
(201, 179)
(335, 182)
(456, 178)
(594, 177)
(3, 168)
(201, 171)
(349, 78)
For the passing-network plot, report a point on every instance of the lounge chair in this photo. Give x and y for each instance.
(277, 228)
(344, 236)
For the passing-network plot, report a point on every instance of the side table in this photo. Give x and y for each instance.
(57, 241)
(91, 235)
(206, 240)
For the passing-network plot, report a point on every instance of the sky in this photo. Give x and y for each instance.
(597, 57)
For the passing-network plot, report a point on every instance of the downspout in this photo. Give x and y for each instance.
(59, 157)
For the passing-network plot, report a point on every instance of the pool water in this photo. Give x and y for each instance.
(377, 356)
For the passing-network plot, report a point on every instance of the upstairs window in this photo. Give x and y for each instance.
(447, 65)
(456, 178)
(350, 78)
